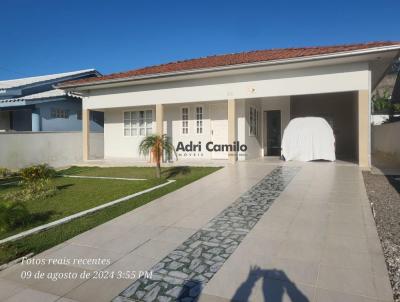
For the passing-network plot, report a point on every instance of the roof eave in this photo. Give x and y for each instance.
(43, 82)
(236, 66)
(24, 102)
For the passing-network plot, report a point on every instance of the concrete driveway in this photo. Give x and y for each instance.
(254, 231)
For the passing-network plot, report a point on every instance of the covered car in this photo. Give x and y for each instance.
(308, 138)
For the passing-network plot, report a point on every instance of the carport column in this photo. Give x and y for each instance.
(363, 129)
(85, 133)
(232, 128)
(159, 119)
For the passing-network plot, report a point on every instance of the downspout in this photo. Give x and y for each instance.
(369, 120)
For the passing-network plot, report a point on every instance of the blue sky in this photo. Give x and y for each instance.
(40, 37)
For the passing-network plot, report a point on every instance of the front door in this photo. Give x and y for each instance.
(219, 128)
(274, 133)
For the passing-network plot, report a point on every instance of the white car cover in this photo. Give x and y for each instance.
(308, 138)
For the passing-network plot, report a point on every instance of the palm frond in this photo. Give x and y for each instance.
(147, 144)
(157, 144)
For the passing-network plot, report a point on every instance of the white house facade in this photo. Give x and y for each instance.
(240, 100)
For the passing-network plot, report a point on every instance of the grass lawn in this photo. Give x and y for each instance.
(74, 195)
(7, 180)
(78, 194)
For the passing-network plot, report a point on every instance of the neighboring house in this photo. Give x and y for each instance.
(33, 104)
(248, 97)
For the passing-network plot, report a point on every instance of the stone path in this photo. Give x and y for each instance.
(182, 274)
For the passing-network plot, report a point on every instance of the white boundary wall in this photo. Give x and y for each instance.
(57, 149)
(386, 141)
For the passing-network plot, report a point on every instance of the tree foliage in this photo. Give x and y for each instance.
(157, 146)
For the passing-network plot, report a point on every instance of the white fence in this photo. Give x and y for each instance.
(20, 149)
(386, 143)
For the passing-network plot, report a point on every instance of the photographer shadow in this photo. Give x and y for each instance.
(275, 283)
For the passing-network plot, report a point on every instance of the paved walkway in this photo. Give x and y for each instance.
(315, 241)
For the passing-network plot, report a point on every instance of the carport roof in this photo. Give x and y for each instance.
(216, 61)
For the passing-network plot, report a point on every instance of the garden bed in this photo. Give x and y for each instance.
(77, 194)
(384, 195)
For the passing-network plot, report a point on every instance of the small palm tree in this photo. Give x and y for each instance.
(156, 145)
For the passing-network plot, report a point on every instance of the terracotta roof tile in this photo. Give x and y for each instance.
(232, 59)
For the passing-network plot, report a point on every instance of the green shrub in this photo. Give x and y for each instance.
(4, 172)
(13, 215)
(32, 190)
(37, 172)
(35, 184)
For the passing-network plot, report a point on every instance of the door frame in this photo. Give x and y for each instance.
(264, 130)
(224, 108)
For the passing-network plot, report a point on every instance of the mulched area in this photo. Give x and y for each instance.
(384, 195)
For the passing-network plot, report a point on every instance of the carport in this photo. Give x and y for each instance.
(345, 111)
(340, 111)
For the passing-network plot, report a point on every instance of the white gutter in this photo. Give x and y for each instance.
(24, 102)
(240, 66)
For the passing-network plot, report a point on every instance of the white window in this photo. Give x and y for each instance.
(185, 120)
(199, 120)
(59, 113)
(254, 121)
(138, 123)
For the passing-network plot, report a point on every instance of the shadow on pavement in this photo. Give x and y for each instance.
(275, 283)
(191, 291)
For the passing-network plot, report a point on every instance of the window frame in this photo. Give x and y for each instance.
(58, 112)
(182, 120)
(146, 122)
(197, 120)
(254, 121)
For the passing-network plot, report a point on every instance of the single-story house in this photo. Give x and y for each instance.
(243, 99)
(33, 104)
